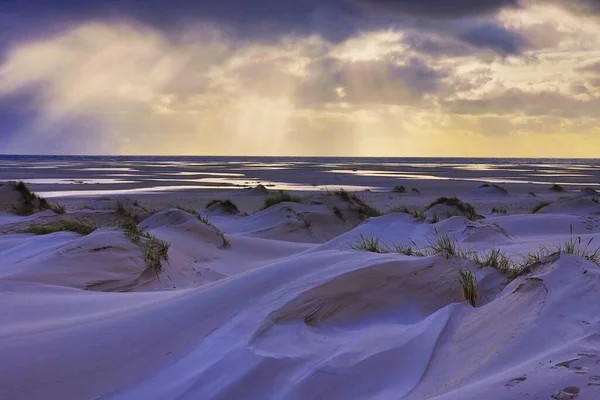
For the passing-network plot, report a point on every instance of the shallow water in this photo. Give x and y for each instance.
(104, 175)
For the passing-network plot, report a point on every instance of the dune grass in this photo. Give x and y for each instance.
(204, 219)
(227, 205)
(338, 212)
(225, 242)
(497, 187)
(536, 256)
(364, 209)
(419, 214)
(125, 211)
(370, 243)
(415, 212)
(344, 195)
(574, 246)
(154, 250)
(58, 208)
(28, 205)
(374, 244)
(132, 231)
(408, 251)
(442, 243)
(136, 203)
(122, 211)
(502, 230)
(498, 260)
(470, 288)
(280, 197)
(539, 206)
(467, 209)
(61, 226)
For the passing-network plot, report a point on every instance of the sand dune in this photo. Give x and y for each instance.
(574, 206)
(286, 303)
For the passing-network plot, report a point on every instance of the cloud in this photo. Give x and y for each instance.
(593, 67)
(416, 84)
(442, 9)
(451, 9)
(579, 6)
(493, 36)
(393, 79)
(333, 19)
(123, 88)
(382, 82)
(520, 102)
(436, 45)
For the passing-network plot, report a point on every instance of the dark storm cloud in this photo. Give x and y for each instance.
(493, 36)
(436, 46)
(441, 8)
(15, 112)
(450, 9)
(334, 19)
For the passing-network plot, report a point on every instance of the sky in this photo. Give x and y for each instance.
(405, 78)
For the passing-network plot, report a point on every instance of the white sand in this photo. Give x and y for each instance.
(290, 311)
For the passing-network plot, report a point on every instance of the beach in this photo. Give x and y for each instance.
(291, 278)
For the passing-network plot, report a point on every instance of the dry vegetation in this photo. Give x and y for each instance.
(443, 244)
(470, 289)
(467, 209)
(154, 250)
(280, 197)
(227, 205)
(77, 226)
(204, 219)
(58, 208)
(497, 187)
(539, 206)
(362, 207)
(370, 243)
(30, 202)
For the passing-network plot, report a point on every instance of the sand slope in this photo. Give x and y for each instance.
(289, 310)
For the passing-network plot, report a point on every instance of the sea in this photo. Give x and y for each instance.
(84, 175)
